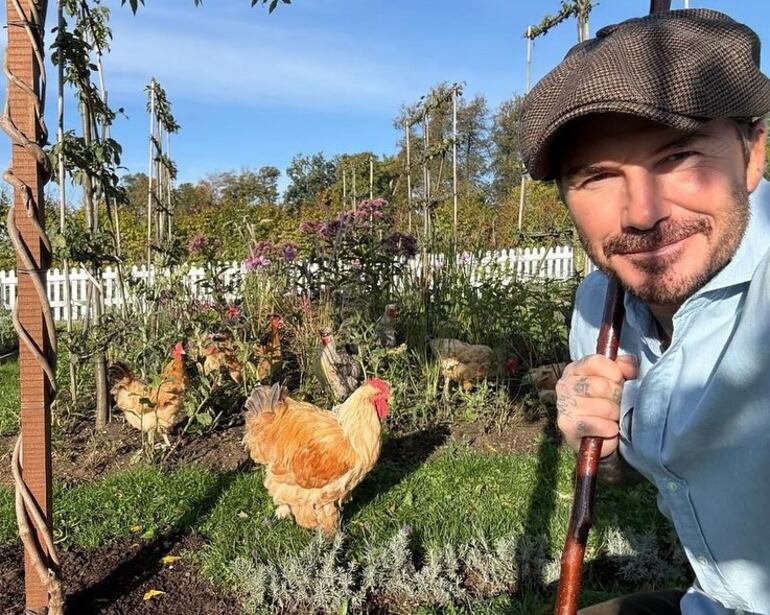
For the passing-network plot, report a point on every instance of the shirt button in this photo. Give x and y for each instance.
(672, 486)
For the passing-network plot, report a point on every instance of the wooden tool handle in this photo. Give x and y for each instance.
(587, 466)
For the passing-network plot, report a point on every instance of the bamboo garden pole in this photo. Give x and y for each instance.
(63, 202)
(150, 168)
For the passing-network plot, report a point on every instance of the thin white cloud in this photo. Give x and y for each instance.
(224, 60)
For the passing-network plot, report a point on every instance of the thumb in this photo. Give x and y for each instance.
(628, 365)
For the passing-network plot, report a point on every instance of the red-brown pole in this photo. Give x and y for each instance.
(36, 391)
(587, 465)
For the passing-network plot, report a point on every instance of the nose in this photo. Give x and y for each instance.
(644, 204)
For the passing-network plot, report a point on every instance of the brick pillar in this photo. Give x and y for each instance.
(35, 391)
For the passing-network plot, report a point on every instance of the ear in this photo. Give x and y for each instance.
(756, 165)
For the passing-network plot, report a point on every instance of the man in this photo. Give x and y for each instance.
(652, 133)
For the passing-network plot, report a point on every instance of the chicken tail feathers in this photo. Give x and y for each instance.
(119, 372)
(263, 399)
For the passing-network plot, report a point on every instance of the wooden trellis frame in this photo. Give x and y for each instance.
(22, 120)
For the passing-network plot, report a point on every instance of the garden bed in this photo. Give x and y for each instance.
(114, 579)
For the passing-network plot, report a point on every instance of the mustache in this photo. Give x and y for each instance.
(662, 234)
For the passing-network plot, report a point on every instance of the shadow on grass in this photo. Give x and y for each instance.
(541, 506)
(400, 457)
(146, 562)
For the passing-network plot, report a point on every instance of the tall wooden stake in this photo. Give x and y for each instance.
(523, 183)
(36, 390)
(408, 175)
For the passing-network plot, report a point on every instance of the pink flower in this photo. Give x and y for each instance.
(232, 312)
(256, 262)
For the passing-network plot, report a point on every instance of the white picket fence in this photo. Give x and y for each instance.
(553, 263)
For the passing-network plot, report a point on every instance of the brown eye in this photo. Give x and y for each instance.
(596, 178)
(679, 156)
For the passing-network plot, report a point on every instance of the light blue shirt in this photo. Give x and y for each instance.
(696, 422)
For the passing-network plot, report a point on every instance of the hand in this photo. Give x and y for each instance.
(588, 399)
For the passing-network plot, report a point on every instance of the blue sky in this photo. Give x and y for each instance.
(251, 89)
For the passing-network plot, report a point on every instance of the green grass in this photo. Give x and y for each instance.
(458, 498)
(9, 398)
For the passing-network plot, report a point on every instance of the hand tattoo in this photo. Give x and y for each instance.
(564, 402)
(581, 387)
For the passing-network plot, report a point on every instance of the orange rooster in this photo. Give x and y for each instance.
(268, 350)
(151, 408)
(314, 458)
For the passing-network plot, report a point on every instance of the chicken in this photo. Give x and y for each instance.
(338, 372)
(152, 408)
(544, 379)
(314, 458)
(385, 328)
(461, 362)
(270, 356)
(220, 354)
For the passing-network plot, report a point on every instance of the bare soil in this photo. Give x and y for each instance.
(113, 580)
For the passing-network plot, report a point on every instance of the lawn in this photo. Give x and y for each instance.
(9, 398)
(437, 526)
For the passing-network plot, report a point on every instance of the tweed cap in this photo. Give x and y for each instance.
(678, 68)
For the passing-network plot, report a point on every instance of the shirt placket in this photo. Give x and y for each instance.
(656, 392)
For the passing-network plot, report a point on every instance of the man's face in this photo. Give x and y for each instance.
(660, 209)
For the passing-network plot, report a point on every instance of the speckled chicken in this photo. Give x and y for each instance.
(461, 362)
(544, 379)
(337, 371)
(219, 354)
(385, 328)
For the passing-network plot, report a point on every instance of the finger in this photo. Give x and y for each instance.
(587, 427)
(629, 366)
(576, 408)
(594, 387)
(596, 365)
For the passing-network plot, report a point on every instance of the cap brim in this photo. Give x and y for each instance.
(545, 161)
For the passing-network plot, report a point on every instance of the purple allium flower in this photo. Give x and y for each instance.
(289, 251)
(198, 244)
(465, 258)
(331, 229)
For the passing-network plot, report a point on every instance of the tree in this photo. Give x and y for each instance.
(506, 164)
(247, 187)
(473, 142)
(311, 177)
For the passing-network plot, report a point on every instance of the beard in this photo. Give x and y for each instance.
(663, 284)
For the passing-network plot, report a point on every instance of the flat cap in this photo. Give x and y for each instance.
(679, 68)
